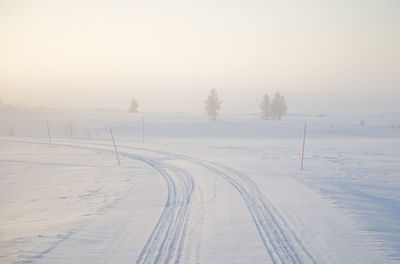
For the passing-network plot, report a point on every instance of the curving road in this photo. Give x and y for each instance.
(166, 242)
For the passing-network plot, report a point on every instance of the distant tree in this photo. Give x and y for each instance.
(134, 106)
(362, 122)
(212, 105)
(279, 107)
(266, 108)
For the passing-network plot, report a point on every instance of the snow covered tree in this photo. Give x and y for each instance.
(279, 107)
(213, 104)
(134, 106)
(266, 108)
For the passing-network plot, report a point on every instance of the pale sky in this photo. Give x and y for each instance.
(323, 56)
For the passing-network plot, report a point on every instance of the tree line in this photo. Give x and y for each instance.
(270, 109)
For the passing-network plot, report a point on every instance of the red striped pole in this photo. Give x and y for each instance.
(304, 142)
(48, 131)
(115, 147)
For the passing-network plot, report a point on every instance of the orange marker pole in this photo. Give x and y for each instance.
(304, 142)
(143, 129)
(48, 131)
(115, 147)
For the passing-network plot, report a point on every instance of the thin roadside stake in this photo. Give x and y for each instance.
(304, 142)
(115, 147)
(143, 129)
(48, 131)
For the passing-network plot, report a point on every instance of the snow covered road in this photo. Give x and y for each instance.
(281, 243)
(166, 243)
(204, 212)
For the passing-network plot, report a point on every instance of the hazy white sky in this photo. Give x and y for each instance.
(324, 56)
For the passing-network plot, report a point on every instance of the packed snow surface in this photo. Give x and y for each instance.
(196, 191)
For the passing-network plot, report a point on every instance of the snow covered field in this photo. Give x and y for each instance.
(196, 191)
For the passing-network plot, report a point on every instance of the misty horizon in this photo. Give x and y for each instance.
(324, 57)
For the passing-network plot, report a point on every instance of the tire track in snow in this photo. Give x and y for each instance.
(280, 241)
(166, 242)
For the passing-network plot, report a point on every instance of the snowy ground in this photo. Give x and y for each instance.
(196, 191)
